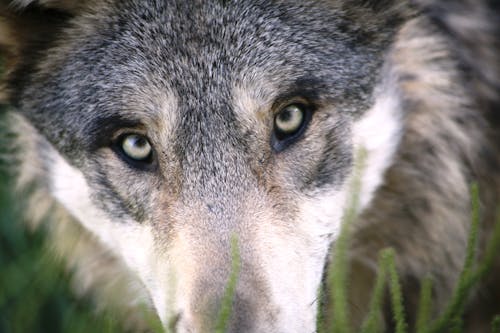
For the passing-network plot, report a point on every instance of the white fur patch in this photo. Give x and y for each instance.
(379, 132)
(127, 239)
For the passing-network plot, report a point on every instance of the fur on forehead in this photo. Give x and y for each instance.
(29, 27)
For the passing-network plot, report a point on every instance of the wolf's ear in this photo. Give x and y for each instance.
(388, 10)
(379, 18)
(66, 5)
(28, 26)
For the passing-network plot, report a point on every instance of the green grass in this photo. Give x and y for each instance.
(495, 325)
(425, 305)
(450, 321)
(227, 301)
(35, 293)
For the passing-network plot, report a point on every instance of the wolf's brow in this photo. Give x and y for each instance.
(101, 130)
(308, 87)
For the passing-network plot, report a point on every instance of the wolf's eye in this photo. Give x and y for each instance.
(289, 124)
(289, 120)
(136, 147)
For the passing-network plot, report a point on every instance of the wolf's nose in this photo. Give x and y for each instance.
(205, 316)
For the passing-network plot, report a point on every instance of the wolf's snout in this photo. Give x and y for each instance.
(202, 308)
(209, 242)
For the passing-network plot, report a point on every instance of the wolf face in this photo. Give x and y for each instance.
(177, 125)
(167, 128)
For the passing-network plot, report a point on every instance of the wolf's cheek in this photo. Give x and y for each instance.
(129, 240)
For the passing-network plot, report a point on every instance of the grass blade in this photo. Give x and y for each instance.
(424, 306)
(467, 278)
(495, 324)
(372, 321)
(338, 271)
(227, 301)
(395, 291)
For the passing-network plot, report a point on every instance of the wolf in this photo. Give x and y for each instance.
(157, 131)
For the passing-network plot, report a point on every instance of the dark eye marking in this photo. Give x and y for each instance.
(101, 131)
(295, 109)
(125, 138)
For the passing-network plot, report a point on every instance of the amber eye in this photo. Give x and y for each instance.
(136, 147)
(289, 124)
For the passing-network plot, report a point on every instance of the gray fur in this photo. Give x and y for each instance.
(100, 66)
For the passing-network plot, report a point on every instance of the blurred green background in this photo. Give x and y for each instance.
(35, 294)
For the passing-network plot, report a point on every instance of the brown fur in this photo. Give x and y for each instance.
(427, 223)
